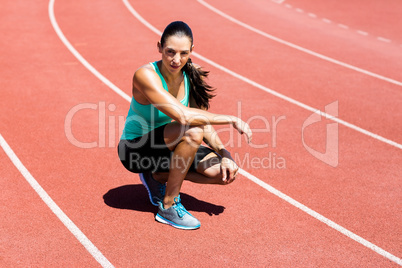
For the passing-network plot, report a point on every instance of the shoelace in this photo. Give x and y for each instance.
(181, 210)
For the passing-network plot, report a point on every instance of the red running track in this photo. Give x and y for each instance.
(242, 224)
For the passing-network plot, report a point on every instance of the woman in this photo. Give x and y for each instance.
(166, 124)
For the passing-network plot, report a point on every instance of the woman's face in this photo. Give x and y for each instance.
(175, 52)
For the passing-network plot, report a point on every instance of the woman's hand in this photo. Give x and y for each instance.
(243, 128)
(229, 169)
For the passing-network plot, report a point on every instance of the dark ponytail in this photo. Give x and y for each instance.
(200, 91)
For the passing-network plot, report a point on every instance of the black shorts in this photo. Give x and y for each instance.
(150, 153)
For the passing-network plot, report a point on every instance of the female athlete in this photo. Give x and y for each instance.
(166, 124)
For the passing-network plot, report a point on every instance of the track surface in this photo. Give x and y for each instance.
(242, 224)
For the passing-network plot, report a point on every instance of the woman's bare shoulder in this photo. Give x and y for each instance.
(146, 67)
(144, 72)
(145, 78)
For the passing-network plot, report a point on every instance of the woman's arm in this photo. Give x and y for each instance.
(148, 83)
(229, 167)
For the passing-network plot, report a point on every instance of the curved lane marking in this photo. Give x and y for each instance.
(310, 52)
(81, 237)
(78, 55)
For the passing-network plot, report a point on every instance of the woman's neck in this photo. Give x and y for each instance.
(169, 77)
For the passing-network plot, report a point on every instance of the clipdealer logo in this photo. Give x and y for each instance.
(331, 154)
(110, 126)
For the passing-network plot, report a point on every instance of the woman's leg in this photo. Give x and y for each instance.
(208, 172)
(184, 142)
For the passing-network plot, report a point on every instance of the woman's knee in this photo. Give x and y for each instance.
(175, 133)
(194, 135)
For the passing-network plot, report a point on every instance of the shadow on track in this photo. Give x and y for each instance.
(135, 197)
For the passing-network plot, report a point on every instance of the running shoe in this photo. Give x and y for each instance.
(156, 190)
(177, 216)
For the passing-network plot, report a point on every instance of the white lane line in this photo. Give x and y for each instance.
(78, 55)
(312, 15)
(278, 1)
(310, 52)
(343, 26)
(92, 249)
(362, 32)
(321, 218)
(87, 244)
(257, 180)
(383, 39)
(326, 20)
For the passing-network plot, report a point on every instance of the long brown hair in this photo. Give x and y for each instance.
(200, 90)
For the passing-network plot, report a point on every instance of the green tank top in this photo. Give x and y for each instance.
(142, 119)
